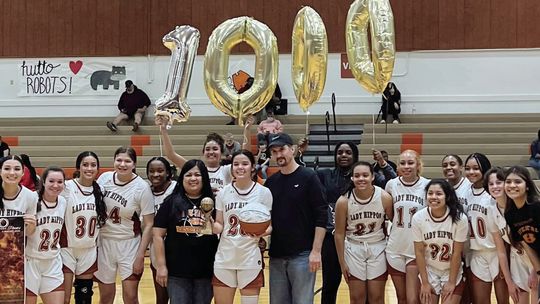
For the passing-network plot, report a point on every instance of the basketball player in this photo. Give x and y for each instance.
(522, 215)
(213, 147)
(238, 263)
(516, 275)
(43, 267)
(159, 173)
(122, 243)
(360, 238)
(408, 194)
(482, 258)
(16, 200)
(85, 213)
(440, 230)
(452, 168)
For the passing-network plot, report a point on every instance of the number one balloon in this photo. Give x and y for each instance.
(183, 42)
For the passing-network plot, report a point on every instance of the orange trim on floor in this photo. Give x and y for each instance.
(11, 140)
(140, 140)
(412, 141)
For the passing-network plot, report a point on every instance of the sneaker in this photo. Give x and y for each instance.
(111, 126)
(383, 121)
(396, 122)
(135, 127)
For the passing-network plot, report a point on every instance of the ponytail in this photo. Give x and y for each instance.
(101, 208)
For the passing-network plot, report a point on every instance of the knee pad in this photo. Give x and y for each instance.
(83, 291)
(249, 299)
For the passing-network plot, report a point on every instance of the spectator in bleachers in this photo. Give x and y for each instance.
(268, 126)
(231, 146)
(30, 179)
(534, 161)
(4, 148)
(377, 155)
(132, 105)
(391, 103)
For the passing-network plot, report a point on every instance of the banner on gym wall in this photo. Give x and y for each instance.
(64, 77)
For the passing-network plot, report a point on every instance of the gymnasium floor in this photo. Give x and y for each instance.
(146, 290)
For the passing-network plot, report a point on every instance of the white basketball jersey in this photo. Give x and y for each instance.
(462, 191)
(481, 208)
(44, 242)
(125, 204)
(438, 235)
(24, 203)
(80, 225)
(407, 199)
(219, 177)
(365, 219)
(160, 197)
(236, 251)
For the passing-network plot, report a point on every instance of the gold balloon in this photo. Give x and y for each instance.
(216, 63)
(309, 57)
(377, 15)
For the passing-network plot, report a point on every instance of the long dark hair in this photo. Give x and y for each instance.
(251, 158)
(350, 186)
(482, 160)
(26, 162)
(179, 193)
(44, 176)
(2, 161)
(130, 152)
(101, 208)
(165, 162)
(353, 147)
(533, 194)
(454, 206)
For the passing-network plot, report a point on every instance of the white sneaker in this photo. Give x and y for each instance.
(395, 122)
(383, 121)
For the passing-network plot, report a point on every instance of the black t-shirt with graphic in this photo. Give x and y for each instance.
(188, 255)
(524, 224)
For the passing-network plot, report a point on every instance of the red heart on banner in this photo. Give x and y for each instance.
(75, 66)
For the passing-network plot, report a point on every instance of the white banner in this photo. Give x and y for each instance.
(64, 77)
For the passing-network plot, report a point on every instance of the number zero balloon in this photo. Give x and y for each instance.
(309, 57)
(216, 62)
(373, 71)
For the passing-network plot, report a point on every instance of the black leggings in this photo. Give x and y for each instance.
(331, 271)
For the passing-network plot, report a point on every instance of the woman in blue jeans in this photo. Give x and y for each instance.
(184, 258)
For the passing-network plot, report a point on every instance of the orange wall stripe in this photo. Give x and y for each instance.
(11, 140)
(140, 140)
(412, 141)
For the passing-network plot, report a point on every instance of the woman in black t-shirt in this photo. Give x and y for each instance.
(184, 257)
(523, 214)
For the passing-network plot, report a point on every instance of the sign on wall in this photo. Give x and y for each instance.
(344, 67)
(64, 77)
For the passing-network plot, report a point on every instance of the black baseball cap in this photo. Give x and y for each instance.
(280, 139)
(128, 83)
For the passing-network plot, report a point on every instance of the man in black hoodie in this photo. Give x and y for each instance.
(132, 105)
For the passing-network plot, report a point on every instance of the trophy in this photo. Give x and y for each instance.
(207, 206)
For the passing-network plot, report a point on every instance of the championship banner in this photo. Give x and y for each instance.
(64, 77)
(12, 262)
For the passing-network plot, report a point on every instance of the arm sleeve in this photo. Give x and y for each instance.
(32, 206)
(219, 201)
(388, 174)
(146, 200)
(121, 102)
(495, 221)
(462, 229)
(163, 214)
(417, 229)
(145, 99)
(267, 199)
(318, 202)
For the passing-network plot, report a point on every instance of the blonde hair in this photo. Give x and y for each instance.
(419, 163)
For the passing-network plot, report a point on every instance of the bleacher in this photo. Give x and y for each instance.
(504, 138)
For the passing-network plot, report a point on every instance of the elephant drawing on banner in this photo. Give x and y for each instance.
(107, 78)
